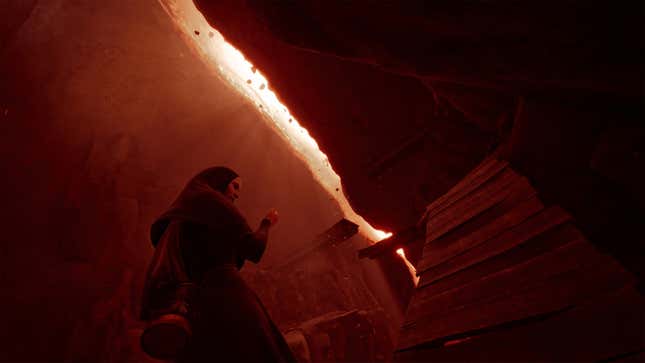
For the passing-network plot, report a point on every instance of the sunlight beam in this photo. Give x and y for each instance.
(230, 64)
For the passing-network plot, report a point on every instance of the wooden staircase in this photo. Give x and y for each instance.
(505, 277)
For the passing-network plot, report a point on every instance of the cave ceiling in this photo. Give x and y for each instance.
(406, 97)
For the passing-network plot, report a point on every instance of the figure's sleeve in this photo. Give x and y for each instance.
(253, 244)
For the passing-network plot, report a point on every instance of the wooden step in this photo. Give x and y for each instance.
(568, 289)
(565, 258)
(488, 169)
(514, 209)
(471, 205)
(606, 328)
(535, 246)
(533, 226)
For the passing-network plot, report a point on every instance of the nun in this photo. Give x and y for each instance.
(196, 305)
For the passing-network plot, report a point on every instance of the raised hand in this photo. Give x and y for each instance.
(272, 216)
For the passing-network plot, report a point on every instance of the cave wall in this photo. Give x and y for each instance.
(105, 114)
(585, 153)
(389, 71)
(16, 12)
(555, 88)
(389, 136)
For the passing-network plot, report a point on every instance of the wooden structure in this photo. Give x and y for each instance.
(504, 277)
(332, 237)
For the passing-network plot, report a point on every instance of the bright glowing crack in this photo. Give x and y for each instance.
(413, 271)
(243, 76)
(239, 72)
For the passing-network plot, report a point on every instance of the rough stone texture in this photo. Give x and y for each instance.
(353, 336)
(325, 290)
(551, 82)
(15, 12)
(105, 114)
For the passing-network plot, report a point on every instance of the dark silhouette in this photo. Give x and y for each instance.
(193, 284)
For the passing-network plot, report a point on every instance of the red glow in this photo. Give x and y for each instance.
(230, 64)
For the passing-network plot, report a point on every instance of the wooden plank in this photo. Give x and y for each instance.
(481, 173)
(520, 204)
(491, 184)
(470, 206)
(565, 258)
(435, 254)
(535, 246)
(334, 235)
(486, 163)
(397, 240)
(519, 190)
(488, 170)
(535, 225)
(608, 328)
(555, 293)
(637, 356)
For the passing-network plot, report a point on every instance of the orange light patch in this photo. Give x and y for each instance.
(413, 271)
(231, 65)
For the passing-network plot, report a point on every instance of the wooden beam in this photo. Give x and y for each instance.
(334, 235)
(397, 240)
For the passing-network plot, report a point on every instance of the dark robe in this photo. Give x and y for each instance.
(201, 243)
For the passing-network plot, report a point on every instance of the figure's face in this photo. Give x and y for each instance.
(233, 189)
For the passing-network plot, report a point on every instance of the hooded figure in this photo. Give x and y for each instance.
(201, 242)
